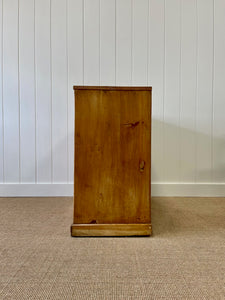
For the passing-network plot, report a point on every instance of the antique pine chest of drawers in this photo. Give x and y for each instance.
(112, 178)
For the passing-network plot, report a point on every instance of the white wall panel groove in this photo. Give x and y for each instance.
(140, 41)
(91, 42)
(75, 55)
(107, 42)
(1, 98)
(27, 91)
(218, 115)
(156, 76)
(123, 42)
(59, 74)
(204, 91)
(188, 88)
(43, 90)
(11, 109)
(176, 46)
(171, 132)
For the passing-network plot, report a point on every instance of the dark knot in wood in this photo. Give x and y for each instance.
(131, 125)
(141, 165)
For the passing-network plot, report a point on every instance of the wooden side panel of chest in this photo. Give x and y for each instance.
(112, 181)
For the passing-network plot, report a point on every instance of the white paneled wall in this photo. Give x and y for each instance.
(176, 46)
(27, 109)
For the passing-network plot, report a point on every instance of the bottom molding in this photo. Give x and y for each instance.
(111, 229)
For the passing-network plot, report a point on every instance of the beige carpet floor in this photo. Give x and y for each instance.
(184, 259)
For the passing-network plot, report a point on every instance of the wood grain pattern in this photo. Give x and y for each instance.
(113, 88)
(112, 156)
(111, 229)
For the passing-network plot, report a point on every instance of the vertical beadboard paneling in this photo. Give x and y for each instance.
(176, 46)
(27, 90)
(218, 96)
(172, 91)
(107, 42)
(75, 69)
(91, 42)
(204, 99)
(124, 42)
(1, 100)
(11, 91)
(140, 41)
(43, 90)
(188, 92)
(156, 80)
(59, 90)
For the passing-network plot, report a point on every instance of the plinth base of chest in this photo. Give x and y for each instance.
(111, 229)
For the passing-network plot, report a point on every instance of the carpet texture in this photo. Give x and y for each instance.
(184, 259)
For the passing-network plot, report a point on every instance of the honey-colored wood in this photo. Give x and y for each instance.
(112, 158)
(113, 88)
(111, 229)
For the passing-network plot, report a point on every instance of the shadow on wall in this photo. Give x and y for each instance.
(178, 155)
(52, 162)
(184, 155)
